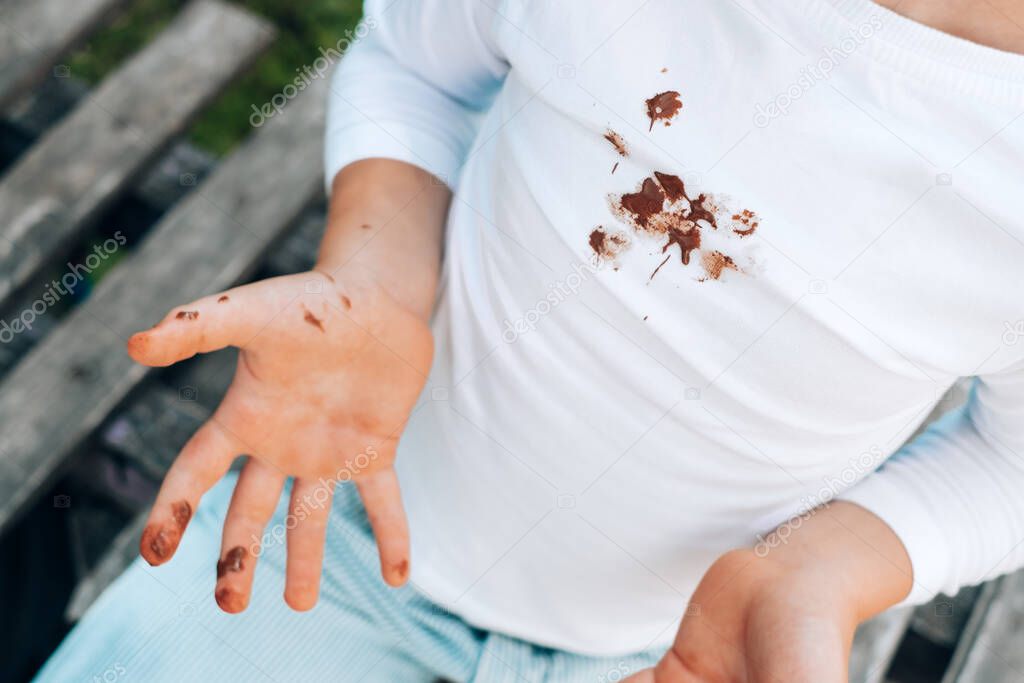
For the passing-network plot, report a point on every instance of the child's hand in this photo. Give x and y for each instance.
(788, 615)
(328, 373)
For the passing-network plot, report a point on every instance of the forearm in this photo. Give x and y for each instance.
(852, 550)
(789, 613)
(386, 219)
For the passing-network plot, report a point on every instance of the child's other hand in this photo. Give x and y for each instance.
(329, 370)
(788, 615)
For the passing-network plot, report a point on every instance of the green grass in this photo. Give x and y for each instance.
(303, 27)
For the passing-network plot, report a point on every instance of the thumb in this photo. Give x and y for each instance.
(229, 318)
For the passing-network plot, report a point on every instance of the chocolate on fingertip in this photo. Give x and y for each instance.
(234, 561)
(230, 601)
(399, 573)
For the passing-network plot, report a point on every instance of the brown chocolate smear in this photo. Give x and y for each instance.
(229, 600)
(182, 513)
(699, 211)
(657, 210)
(715, 263)
(160, 541)
(187, 315)
(617, 142)
(646, 203)
(234, 561)
(222, 299)
(673, 185)
(346, 302)
(402, 569)
(745, 223)
(607, 245)
(366, 226)
(663, 107)
(313, 320)
(687, 239)
(656, 271)
(675, 189)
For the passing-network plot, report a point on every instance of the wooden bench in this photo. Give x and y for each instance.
(73, 393)
(34, 33)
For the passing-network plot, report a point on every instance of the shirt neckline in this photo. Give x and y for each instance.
(904, 44)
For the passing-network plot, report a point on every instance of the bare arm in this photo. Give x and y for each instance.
(788, 610)
(387, 219)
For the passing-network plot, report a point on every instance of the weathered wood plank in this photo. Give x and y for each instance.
(875, 645)
(65, 387)
(75, 170)
(154, 427)
(991, 649)
(34, 33)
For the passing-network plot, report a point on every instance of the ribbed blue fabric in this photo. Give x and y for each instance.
(161, 624)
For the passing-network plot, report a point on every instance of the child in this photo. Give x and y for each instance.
(707, 265)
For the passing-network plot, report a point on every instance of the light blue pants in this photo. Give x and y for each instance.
(162, 624)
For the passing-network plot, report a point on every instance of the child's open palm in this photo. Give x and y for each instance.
(327, 376)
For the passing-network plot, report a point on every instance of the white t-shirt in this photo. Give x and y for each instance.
(709, 264)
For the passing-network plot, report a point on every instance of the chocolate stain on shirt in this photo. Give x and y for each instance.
(223, 299)
(656, 271)
(312, 319)
(663, 107)
(647, 211)
(234, 561)
(606, 246)
(617, 142)
(673, 185)
(645, 204)
(688, 239)
(662, 206)
(715, 263)
(699, 211)
(745, 223)
(187, 315)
